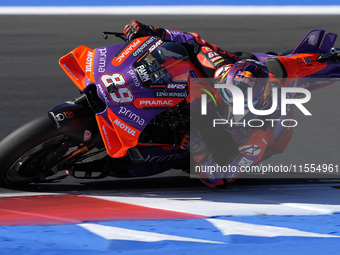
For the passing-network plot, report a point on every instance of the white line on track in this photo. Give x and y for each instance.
(115, 233)
(172, 10)
(265, 200)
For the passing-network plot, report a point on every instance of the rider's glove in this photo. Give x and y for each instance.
(136, 29)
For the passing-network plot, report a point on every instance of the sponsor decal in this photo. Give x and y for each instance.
(55, 120)
(103, 93)
(89, 59)
(144, 46)
(215, 59)
(213, 54)
(134, 77)
(206, 49)
(87, 135)
(157, 86)
(176, 86)
(142, 73)
(222, 71)
(245, 77)
(252, 150)
(118, 123)
(59, 117)
(156, 102)
(165, 158)
(106, 137)
(102, 60)
(131, 115)
(153, 47)
(173, 32)
(219, 62)
(65, 115)
(126, 52)
(170, 94)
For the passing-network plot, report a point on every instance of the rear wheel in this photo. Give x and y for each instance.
(23, 152)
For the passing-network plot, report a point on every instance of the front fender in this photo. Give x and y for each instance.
(74, 120)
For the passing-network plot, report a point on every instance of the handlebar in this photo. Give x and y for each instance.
(333, 52)
(116, 34)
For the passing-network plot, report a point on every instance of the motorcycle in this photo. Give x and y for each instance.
(134, 108)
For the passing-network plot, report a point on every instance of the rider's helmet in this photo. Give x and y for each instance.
(246, 74)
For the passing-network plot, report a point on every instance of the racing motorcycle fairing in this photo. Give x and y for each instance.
(312, 41)
(290, 68)
(119, 136)
(136, 80)
(304, 61)
(78, 65)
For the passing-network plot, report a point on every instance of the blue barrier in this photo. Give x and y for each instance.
(172, 2)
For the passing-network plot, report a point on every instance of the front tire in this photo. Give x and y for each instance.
(20, 149)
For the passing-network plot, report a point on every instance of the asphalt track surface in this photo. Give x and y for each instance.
(32, 81)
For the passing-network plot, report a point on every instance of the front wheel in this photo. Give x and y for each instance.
(23, 152)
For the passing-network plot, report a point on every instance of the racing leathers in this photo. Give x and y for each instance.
(242, 146)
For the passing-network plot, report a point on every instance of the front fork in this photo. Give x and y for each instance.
(76, 121)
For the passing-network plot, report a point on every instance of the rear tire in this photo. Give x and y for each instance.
(22, 146)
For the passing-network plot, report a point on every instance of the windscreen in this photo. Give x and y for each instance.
(163, 65)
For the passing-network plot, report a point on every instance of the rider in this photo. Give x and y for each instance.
(250, 145)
